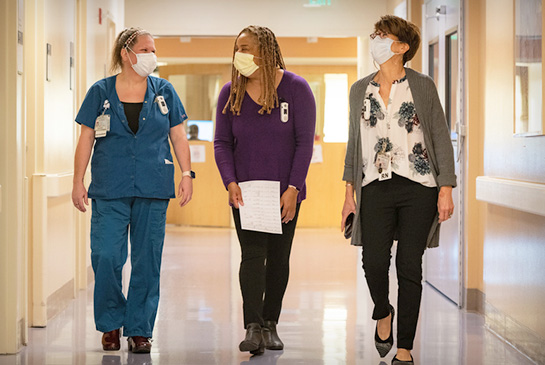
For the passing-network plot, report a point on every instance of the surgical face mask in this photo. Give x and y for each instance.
(381, 49)
(145, 63)
(244, 63)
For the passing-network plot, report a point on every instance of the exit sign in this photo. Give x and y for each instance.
(318, 3)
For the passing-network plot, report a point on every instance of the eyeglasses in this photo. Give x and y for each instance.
(378, 33)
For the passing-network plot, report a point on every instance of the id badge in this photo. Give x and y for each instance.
(102, 125)
(384, 166)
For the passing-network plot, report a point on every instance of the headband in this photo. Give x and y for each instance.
(131, 38)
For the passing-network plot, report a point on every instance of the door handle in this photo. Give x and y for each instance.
(461, 131)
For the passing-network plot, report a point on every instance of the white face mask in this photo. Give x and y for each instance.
(145, 63)
(381, 49)
(244, 63)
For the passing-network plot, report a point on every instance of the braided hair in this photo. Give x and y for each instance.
(269, 52)
(126, 39)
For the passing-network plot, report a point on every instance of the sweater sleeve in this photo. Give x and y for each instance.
(442, 144)
(304, 114)
(224, 143)
(351, 145)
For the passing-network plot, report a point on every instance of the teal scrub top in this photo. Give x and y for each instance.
(125, 164)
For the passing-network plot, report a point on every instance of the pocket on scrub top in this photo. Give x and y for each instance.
(165, 176)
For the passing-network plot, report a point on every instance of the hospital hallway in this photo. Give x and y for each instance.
(325, 318)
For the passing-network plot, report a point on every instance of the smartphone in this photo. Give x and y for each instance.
(348, 226)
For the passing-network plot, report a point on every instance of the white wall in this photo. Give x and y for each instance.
(58, 139)
(12, 252)
(98, 46)
(283, 17)
(514, 241)
(59, 31)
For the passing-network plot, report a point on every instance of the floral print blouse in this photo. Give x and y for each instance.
(394, 128)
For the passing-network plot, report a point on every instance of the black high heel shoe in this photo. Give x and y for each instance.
(384, 346)
(395, 361)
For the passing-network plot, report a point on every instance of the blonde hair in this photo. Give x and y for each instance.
(126, 39)
(269, 52)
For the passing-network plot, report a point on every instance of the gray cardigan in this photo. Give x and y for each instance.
(436, 137)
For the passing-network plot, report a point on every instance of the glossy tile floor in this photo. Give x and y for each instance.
(325, 318)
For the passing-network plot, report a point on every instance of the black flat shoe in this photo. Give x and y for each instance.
(270, 336)
(384, 346)
(395, 361)
(253, 341)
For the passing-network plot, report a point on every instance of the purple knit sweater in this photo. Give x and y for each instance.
(262, 147)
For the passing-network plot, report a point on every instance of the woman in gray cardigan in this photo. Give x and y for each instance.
(400, 164)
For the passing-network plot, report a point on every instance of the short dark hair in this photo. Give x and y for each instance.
(404, 30)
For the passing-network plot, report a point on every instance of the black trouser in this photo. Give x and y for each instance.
(264, 270)
(409, 208)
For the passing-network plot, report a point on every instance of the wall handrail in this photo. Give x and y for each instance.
(57, 184)
(515, 194)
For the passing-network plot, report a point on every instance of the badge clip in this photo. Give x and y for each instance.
(160, 100)
(284, 112)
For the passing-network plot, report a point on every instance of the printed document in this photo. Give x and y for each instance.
(261, 209)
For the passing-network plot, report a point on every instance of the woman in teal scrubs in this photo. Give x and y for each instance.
(129, 119)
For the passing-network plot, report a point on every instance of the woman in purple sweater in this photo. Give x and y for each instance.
(255, 141)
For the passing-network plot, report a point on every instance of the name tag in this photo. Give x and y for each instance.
(384, 166)
(102, 125)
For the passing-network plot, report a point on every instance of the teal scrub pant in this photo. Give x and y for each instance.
(111, 221)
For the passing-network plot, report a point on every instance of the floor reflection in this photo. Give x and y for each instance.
(325, 319)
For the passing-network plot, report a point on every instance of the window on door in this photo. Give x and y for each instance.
(433, 62)
(451, 85)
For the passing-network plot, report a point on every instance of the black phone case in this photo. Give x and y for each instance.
(348, 226)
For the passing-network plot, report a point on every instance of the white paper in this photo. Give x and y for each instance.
(317, 156)
(198, 153)
(261, 209)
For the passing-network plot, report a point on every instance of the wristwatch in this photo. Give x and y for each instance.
(190, 173)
